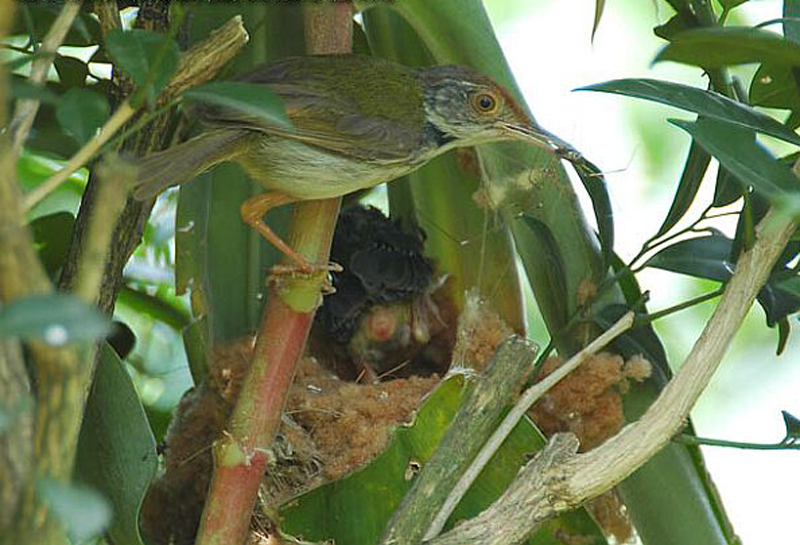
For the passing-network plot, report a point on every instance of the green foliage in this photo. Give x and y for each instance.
(116, 449)
(57, 319)
(81, 113)
(148, 58)
(248, 98)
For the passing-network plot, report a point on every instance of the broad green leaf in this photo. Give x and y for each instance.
(693, 171)
(84, 512)
(249, 98)
(354, 510)
(52, 235)
(704, 257)
(776, 86)
(57, 319)
(727, 46)
(746, 160)
(81, 113)
(36, 19)
(116, 449)
(702, 102)
(22, 88)
(148, 58)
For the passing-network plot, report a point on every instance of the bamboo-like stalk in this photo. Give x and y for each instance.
(241, 456)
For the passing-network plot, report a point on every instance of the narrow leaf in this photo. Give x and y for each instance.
(700, 101)
(249, 98)
(704, 257)
(81, 113)
(726, 46)
(599, 5)
(783, 335)
(56, 319)
(595, 184)
(746, 160)
(792, 424)
(693, 171)
(791, 19)
(728, 188)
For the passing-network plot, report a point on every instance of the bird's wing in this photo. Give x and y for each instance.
(345, 104)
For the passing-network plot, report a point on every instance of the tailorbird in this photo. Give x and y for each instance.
(359, 121)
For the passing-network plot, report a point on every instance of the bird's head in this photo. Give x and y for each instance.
(469, 108)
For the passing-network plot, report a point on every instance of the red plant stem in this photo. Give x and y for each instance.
(241, 455)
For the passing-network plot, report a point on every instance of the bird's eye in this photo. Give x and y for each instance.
(485, 103)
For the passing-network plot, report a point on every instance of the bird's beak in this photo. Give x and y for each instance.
(535, 135)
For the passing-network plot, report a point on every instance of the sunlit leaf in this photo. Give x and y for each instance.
(746, 159)
(116, 449)
(56, 319)
(81, 113)
(700, 101)
(249, 98)
(726, 46)
(84, 512)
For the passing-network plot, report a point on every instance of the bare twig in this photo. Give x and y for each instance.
(562, 481)
(527, 399)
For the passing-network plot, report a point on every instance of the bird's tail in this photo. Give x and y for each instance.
(185, 161)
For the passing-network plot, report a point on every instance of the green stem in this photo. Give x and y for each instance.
(694, 440)
(653, 316)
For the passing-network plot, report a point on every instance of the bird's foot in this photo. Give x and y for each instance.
(283, 273)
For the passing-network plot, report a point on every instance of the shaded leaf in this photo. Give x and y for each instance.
(728, 188)
(789, 285)
(693, 171)
(776, 86)
(792, 424)
(746, 159)
(56, 319)
(84, 512)
(249, 98)
(675, 25)
(703, 257)
(22, 88)
(554, 284)
(783, 335)
(595, 184)
(116, 449)
(777, 304)
(85, 29)
(791, 20)
(627, 281)
(72, 72)
(52, 235)
(704, 103)
(725, 46)
(169, 312)
(81, 113)
(730, 4)
(148, 58)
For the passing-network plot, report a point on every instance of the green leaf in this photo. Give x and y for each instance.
(83, 511)
(784, 329)
(148, 58)
(595, 184)
(599, 5)
(791, 20)
(693, 172)
(730, 4)
(776, 86)
(702, 102)
(249, 98)
(792, 424)
(155, 307)
(726, 46)
(704, 257)
(72, 72)
(81, 113)
(56, 319)
(37, 18)
(22, 88)
(52, 235)
(354, 510)
(116, 449)
(728, 188)
(738, 151)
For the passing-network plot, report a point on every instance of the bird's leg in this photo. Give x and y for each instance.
(253, 211)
